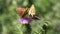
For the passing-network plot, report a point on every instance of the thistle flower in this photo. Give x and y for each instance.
(25, 20)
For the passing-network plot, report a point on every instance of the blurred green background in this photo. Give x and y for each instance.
(47, 10)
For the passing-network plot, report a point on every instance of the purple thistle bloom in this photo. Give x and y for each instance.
(25, 20)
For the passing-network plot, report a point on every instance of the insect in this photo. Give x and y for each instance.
(23, 11)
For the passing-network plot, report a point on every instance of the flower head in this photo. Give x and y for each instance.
(25, 20)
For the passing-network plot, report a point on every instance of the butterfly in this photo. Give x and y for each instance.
(23, 11)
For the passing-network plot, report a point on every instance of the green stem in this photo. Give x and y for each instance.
(28, 29)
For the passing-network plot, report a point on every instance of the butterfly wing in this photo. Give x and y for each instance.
(32, 11)
(21, 11)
